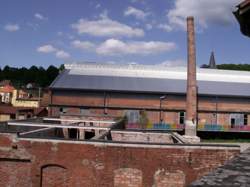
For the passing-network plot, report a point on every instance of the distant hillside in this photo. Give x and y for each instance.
(37, 75)
(240, 67)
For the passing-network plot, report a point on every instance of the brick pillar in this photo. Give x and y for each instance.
(50, 102)
(191, 102)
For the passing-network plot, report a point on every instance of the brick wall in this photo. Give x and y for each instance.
(141, 137)
(172, 102)
(14, 173)
(125, 177)
(61, 163)
(151, 103)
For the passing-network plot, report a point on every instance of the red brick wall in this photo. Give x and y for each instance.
(75, 164)
(151, 103)
(171, 102)
(54, 175)
(15, 173)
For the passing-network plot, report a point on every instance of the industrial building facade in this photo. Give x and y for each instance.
(152, 96)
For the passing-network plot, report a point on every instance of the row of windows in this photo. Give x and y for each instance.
(235, 119)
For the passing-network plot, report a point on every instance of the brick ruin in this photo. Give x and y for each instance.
(76, 150)
(53, 162)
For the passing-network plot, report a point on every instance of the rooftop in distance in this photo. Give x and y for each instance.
(150, 78)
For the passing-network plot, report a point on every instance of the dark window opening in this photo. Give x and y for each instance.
(73, 133)
(89, 134)
(232, 122)
(181, 118)
(12, 116)
(245, 119)
(63, 110)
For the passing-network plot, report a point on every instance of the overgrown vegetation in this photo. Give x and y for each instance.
(43, 77)
(22, 76)
(240, 67)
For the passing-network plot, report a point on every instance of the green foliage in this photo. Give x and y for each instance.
(38, 75)
(239, 67)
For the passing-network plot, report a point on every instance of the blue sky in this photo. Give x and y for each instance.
(45, 32)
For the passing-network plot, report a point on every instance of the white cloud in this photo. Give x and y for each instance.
(137, 13)
(46, 49)
(98, 6)
(59, 33)
(165, 27)
(83, 45)
(149, 26)
(174, 63)
(11, 27)
(204, 11)
(106, 27)
(118, 47)
(62, 54)
(40, 16)
(104, 14)
(51, 49)
(34, 26)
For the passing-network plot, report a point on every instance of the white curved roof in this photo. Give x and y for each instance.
(157, 71)
(151, 79)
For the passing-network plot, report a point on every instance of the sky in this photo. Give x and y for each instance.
(54, 32)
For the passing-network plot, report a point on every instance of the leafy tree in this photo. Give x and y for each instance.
(37, 75)
(61, 68)
(239, 67)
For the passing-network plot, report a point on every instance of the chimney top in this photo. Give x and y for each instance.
(190, 18)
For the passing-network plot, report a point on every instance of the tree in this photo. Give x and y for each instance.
(20, 77)
(51, 73)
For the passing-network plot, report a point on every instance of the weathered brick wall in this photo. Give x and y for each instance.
(53, 175)
(61, 163)
(14, 173)
(151, 103)
(141, 137)
(125, 177)
(164, 178)
(172, 102)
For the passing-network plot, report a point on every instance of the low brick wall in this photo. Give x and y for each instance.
(147, 137)
(25, 162)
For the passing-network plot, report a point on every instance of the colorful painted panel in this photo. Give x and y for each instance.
(200, 127)
(156, 126)
(223, 128)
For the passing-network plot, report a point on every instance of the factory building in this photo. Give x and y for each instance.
(153, 96)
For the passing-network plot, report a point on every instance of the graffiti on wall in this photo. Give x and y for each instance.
(139, 120)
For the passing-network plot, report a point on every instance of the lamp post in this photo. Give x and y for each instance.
(161, 99)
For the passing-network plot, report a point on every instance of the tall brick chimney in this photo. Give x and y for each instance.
(191, 102)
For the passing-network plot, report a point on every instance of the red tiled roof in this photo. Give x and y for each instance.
(7, 89)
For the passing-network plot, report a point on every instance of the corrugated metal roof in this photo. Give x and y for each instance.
(214, 82)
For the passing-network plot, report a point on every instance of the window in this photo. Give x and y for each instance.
(181, 118)
(84, 111)
(245, 119)
(232, 122)
(238, 120)
(133, 116)
(214, 120)
(63, 110)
